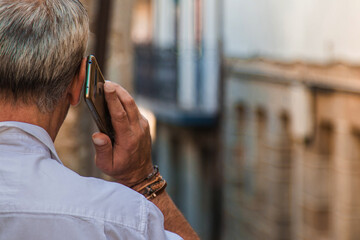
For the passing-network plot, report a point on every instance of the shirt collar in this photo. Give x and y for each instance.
(37, 132)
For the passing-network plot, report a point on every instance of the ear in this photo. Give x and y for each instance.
(76, 85)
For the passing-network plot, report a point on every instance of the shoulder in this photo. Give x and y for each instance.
(48, 192)
(59, 190)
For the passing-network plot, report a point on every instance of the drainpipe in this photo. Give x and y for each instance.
(102, 30)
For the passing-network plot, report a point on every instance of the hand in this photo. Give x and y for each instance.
(129, 160)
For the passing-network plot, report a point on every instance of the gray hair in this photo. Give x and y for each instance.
(42, 43)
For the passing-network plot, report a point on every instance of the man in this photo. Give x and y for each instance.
(42, 69)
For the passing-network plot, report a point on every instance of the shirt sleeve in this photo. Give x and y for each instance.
(172, 236)
(155, 225)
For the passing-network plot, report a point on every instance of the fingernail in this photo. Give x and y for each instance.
(109, 87)
(99, 141)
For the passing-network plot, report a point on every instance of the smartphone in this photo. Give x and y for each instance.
(95, 97)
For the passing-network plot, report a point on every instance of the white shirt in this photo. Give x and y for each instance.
(42, 199)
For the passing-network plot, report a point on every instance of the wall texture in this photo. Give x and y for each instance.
(292, 30)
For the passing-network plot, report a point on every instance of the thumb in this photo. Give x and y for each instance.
(104, 154)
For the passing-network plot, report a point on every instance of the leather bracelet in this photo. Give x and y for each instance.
(155, 189)
(155, 179)
(151, 175)
(152, 185)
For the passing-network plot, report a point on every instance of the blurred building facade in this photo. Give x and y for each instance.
(280, 143)
(256, 105)
(291, 98)
(177, 77)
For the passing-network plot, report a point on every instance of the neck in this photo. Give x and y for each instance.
(50, 121)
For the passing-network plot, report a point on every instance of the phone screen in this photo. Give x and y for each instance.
(95, 97)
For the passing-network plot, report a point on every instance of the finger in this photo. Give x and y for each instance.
(104, 154)
(129, 104)
(144, 123)
(119, 117)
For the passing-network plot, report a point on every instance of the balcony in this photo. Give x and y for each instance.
(156, 86)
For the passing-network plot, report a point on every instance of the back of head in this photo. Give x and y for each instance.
(42, 43)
